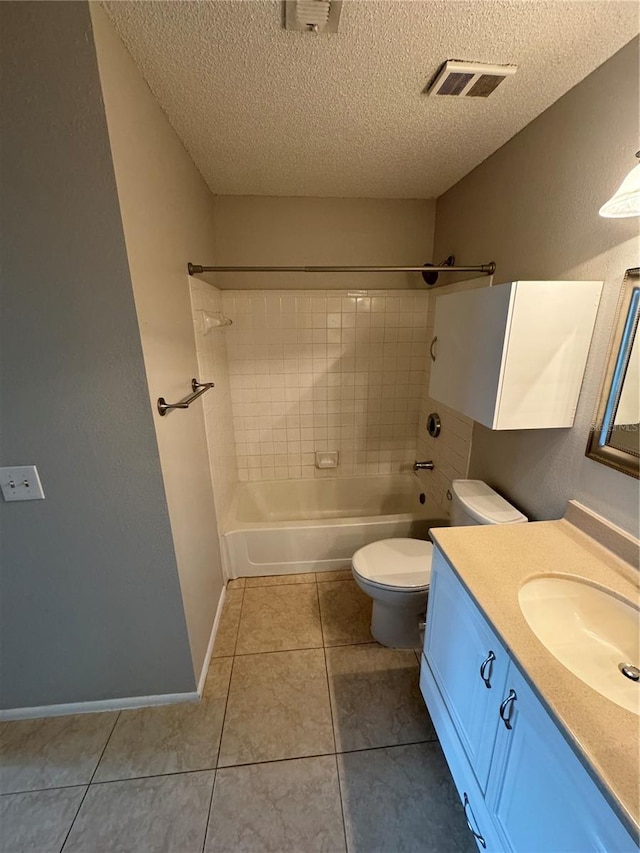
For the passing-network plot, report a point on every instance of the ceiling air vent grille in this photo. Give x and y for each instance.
(312, 16)
(469, 79)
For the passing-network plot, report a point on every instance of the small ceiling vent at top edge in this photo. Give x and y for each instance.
(469, 79)
(312, 16)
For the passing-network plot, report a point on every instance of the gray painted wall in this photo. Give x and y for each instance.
(533, 208)
(91, 605)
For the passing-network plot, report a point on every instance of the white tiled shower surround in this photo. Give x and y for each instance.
(213, 367)
(325, 370)
(302, 371)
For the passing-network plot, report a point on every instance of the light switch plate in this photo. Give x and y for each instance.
(21, 483)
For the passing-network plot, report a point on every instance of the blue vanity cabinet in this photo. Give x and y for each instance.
(523, 788)
(468, 663)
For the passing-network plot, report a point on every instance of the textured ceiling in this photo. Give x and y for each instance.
(264, 111)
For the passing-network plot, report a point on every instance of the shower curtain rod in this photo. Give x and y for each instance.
(483, 269)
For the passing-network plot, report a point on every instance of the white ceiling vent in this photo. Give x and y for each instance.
(469, 79)
(312, 16)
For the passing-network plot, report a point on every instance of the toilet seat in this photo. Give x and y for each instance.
(395, 564)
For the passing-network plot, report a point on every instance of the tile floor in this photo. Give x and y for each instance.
(309, 737)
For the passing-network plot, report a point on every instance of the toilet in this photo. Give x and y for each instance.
(395, 573)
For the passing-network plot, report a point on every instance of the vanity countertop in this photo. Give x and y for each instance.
(493, 562)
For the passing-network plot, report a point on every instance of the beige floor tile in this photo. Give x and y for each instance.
(163, 814)
(294, 807)
(170, 738)
(278, 707)
(236, 583)
(38, 821)
(345, 612)
(337, 575)
(281, 580)
(52, 752)
(375, 697)
(276, 618)
(225, 644)
(402, 798)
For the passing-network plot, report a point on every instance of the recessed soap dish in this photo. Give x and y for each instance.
(326, 459)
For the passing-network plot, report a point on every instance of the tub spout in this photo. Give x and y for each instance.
(423, 466)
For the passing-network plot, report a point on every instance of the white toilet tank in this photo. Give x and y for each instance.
(476, 503)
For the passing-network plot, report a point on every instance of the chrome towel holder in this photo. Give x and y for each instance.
(198, 389)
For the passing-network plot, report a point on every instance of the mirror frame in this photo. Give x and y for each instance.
(624, 332)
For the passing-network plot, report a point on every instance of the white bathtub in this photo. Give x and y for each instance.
(293, 526)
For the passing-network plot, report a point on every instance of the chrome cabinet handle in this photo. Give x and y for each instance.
(486, 663)
(433, 343)
(466, 817)
(505, 712)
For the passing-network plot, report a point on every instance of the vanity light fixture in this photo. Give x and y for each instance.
(626, 199)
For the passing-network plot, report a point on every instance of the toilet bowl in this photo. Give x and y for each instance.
(396, 573)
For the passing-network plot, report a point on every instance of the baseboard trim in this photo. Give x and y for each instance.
(212, 639)
(126, 703)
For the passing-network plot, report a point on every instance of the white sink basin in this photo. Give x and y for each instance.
(589, 630)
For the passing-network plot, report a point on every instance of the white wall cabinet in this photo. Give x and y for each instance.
(523, 788)
(513, 356)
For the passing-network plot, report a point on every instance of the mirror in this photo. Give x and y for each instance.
(615, 434)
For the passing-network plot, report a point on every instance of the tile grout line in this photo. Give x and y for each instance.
(324, 646)
(388, 746)
(235, 642)
(333, 724)
(271, 585)
(232, 766)
(224, 717)
(326, 674)
(95, 770)
(40, 790)
(344, 822)
(226, 702)
(298, 649)
(213, 787)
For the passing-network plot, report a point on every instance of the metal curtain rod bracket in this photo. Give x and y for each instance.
(198, 390)
(428, 271)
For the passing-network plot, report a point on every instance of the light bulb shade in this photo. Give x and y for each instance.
(626, 200)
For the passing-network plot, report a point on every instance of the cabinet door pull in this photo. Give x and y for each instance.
(505, 708)
(484, 666)
(431, 350)
(466, 817)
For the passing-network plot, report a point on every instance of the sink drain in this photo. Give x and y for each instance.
(629, 671)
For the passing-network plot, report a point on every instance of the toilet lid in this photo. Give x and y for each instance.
(404, 563)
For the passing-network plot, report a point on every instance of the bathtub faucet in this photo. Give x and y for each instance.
(423, 466)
